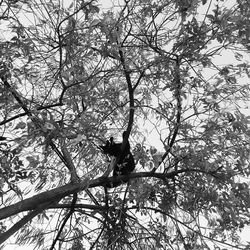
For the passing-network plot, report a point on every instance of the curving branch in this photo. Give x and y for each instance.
(131, 98)
(185, 225)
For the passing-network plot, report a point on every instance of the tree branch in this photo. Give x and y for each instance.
(177, 95)
(34, 119)
(71, 211)
(24, 114)
(131, 98)
(27, 218)
(63, 191)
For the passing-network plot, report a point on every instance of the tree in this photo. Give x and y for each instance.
(173, 74)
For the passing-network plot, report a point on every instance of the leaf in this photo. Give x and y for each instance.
(20, 125)
(238, 56)
(95, 22)
(33, 162)
(49, 126)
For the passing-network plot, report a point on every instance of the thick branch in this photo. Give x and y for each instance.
(27, 218)
(61, 192)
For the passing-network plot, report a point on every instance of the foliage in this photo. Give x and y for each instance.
(173, 74)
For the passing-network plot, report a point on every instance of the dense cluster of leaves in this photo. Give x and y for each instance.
(173, 74)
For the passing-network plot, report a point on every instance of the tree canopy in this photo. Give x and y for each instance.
(173, 74)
